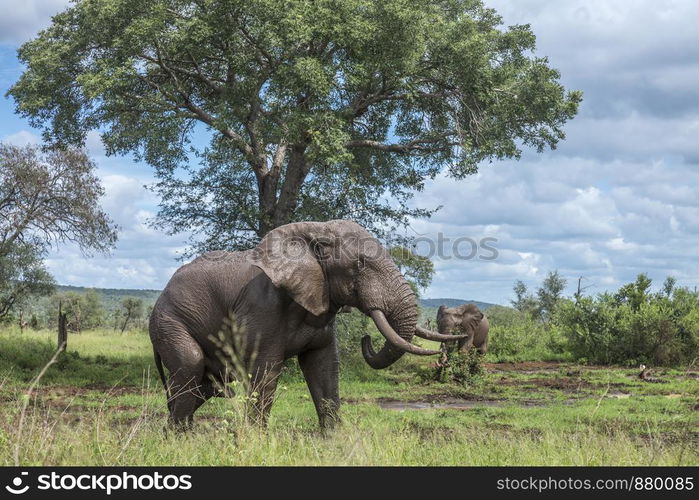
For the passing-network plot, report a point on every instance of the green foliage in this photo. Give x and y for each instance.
(516, 336)
(132, 310)
(549, 294)
(633, 326)
(630, 326)
(524, 300)
(418, 270)
(300, 102)
(669, 285)
(635, 294)
(22, 275)
(84, 310)
(461, 368)
(96, 307)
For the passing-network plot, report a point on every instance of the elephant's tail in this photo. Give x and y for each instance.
(159, 366)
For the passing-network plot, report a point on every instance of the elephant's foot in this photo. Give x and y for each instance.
(328, 415)
(178, 426)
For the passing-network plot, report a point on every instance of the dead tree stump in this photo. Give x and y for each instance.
(62, 330)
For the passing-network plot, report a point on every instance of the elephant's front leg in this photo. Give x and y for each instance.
(321, 369)
(465, 344)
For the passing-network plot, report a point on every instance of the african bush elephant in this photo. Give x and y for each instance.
(279, 300)
(465, 319)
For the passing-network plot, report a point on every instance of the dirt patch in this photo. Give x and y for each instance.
(70, 391)
(444, 405)
(523, 367)
(687, 437)
(618, 395)
(560, 383)
(451, 404)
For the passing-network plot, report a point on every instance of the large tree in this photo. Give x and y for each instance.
(45, 199)
(256, 113)
(417, 269)
(22, 274)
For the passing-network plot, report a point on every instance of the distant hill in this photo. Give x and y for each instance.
(435, 303)
(113, 296)
(121, 292)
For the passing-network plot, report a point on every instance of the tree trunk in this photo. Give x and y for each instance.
(62, 330)
(296, 172)
(128, 317)
(267, 187)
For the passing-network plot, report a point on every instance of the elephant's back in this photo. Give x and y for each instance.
(200, 292)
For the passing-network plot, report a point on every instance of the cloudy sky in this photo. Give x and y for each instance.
(617, 198)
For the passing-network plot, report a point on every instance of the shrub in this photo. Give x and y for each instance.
(460, 367)
(516, 336)
(632, 326)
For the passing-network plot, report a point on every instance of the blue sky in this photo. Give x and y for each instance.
(617, 198)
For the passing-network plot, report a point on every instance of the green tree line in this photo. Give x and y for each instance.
(84, 311)
(629, 326)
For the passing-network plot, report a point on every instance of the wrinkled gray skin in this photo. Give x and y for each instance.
(282, 297)
(465, 319)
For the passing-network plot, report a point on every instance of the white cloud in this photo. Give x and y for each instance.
(21, 20)
(22, 138)
(144, 257)
(605, 220)
(94, 144)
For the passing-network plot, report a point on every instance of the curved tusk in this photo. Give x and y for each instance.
(395, 339)
(438, 337)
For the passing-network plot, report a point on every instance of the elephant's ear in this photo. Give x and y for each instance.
(471, 316)
(288, 259)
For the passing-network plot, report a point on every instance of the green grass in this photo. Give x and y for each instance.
(102, 404)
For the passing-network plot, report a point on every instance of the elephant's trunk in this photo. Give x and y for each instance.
(397, 324)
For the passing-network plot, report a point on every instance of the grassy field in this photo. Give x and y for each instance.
(102, 404)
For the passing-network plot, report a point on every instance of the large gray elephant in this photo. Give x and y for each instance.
(466, 319)
(279, 300)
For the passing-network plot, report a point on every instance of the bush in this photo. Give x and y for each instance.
(632, 326)
(460, 367)
(516, 336)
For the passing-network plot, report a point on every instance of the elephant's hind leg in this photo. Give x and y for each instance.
(188, 390)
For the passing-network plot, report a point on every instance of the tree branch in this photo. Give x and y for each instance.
(200, 113)
(420, 145)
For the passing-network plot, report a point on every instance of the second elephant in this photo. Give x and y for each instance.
(466, 319)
